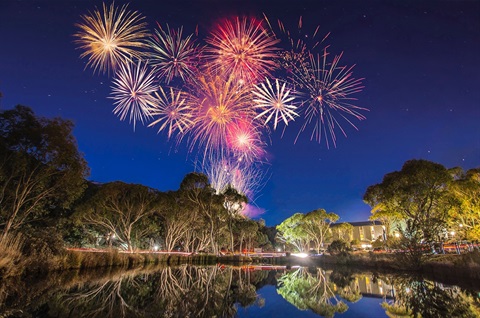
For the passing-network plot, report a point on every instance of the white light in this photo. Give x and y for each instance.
(461, 225)
(279, 249)
(397, 234)
(452, 233)
(155, 248)
(301, 255)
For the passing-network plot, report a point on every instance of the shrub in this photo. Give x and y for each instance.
(338, 247)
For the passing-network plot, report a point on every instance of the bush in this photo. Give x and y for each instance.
(338, 247)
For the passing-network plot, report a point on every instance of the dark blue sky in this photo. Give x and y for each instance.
(420, 61)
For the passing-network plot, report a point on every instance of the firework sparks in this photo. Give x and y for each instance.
(243, 47)
(111, 38)
(244, 140)
(328, 88)
(221, 102)
(300, 44)
(173, 56)
(223, 172)
(274, 103)
(132, 91)
(172, 111)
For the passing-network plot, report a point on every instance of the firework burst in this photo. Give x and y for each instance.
(274, 103)
(173, 55)
(221, 102)
(243, 47)
(223, 172)
(172, 112)
(132, 91)
(111, 38)
(328, 88)
(245, 142)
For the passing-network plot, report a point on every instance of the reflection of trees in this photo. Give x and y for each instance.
(307, 290)
(185, 291)
(343, 278)
(416, 297)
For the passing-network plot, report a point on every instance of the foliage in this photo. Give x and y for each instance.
(312, 291)
(338, 247)
(417, 297)
(465, 216)
(121, 211)
(41, 169)
(419, 196)
(301, 229)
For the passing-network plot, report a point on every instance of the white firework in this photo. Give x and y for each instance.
(172, 112)
(132, 91)
(274, 103)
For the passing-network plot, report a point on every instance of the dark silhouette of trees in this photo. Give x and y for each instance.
(41, 169)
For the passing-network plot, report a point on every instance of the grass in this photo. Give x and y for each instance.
(11, 256)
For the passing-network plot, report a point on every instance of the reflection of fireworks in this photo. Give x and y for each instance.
(243, 47)
(244, 140)
(172, 111)
(173, 56)
(328, 87)
(221, 102)
(274, 103)
(131, 90)
(111, 38)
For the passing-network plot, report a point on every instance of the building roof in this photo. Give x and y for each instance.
(362, 223)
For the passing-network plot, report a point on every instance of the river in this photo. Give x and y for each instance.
(234, 291)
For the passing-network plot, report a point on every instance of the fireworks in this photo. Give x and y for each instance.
(225, 94)
(112, 38)
(221, 102)
(132, 91)
(328, 88)
(274, 103)
(223, 172)
(245, 141)
(243, 48)
(172, 111)
(173, 56)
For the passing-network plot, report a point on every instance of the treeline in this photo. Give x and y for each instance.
(47, 204)
(421, 207)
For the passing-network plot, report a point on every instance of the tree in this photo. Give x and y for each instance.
(342, 231)
(292, 232)
(316, 225)
(197, 191)
(41, 169)
(234, 203)
(122, 211)
(465, 216)
(175, 220)
(419, 196)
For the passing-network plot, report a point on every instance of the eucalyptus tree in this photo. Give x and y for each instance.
(123, 211)
(209, 206)
(234, 203)
(175, 220)
(41, 169)
(465, 216)
(316, 225)
(418, 195)
(291, 231)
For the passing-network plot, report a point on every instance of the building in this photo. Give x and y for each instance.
(366, 231)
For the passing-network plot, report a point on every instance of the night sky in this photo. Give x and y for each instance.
(420, 61)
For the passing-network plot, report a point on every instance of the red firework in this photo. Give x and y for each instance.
(243, 47)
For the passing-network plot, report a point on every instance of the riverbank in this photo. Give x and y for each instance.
(448, 266)
(464, 266)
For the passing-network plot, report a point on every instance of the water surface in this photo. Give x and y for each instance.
(233, 291)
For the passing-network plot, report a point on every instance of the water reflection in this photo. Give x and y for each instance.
(220, 291)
